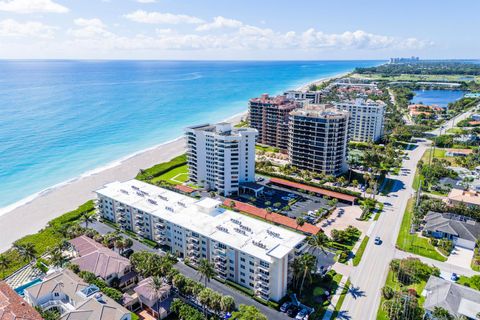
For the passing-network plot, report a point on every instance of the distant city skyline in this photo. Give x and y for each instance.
(215, 29)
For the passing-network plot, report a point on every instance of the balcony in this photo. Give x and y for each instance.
(160, 226)
(193, 246)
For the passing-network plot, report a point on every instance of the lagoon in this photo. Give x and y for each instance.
(439, 97)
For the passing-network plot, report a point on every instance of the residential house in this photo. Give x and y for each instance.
(463, 231)
(65, 292)
(155, 301)
(103, 262)
(458, 300)
(467, 197)
(12, 306)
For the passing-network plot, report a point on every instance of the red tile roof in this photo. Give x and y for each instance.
(12, 306)
(474, 123)
(324, 192)
(183, 188)
(272, 217)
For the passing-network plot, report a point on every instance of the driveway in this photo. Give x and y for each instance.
(341, 221)
(461, 257)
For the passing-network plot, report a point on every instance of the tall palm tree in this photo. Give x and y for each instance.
(227, 304)
(319, 242)
(27, 251)
(86, 218)
(4, 264)
(307, 263)
(156, 285)
(300, 222)
(57, 259)
(206, 270)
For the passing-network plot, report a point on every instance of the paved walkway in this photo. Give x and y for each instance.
(331, 308)
(23, 276)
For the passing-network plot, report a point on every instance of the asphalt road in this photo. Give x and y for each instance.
(369, 276)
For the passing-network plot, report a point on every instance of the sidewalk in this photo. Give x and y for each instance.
(331, 308)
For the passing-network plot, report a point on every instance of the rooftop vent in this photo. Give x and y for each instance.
(135, 188)
(124, 191)
(152, 201)
(223, 229)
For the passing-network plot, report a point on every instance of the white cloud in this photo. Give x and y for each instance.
(154, 17)
(32, 6)
(146, 1)
(32, 29)
(90, 28)
(220, 23)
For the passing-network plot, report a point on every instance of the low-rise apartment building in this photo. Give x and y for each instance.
(366, 122)
(318, 139)
(221, 157)
(270, 116)
(252, 253)
(307, 96)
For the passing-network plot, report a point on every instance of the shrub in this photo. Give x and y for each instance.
(388, 292)
(42, 265)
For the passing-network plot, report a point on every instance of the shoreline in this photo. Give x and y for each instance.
(41, 207)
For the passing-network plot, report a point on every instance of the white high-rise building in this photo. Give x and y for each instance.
(221, 157)
(366, 119)
(250, 252)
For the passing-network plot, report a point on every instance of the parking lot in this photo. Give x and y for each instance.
(277, 198)
(343, 217)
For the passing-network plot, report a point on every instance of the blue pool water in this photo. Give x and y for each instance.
(59, 119)
(439, 97)
(20, 290)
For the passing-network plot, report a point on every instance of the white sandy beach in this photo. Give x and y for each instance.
(34, 215)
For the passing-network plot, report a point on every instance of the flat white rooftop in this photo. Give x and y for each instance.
(243, 233)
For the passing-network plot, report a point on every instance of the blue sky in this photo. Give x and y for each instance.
(246, 29)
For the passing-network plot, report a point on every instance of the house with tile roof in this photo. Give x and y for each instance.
(13, 307)
(67, 293)
(456, 299)
(463, 231)
(103, 262)
(155, 301)
(469, 198)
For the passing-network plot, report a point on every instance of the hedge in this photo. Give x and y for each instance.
(309, 183)
(161, 168)
(232, 284)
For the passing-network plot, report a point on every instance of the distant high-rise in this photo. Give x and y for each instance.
(366, 121)
(270, 115)
(318, 139)
(221, 157)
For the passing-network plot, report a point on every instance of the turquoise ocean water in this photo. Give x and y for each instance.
(60, 119)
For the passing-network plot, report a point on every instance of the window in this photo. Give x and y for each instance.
(242, 259)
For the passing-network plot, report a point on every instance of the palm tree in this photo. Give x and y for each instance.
(206, 270)
(119, 244)
(127, 243)
(300, 222)
(57, 259)
(227, 304)
(156, 285)
(86, 218)
(307, 263)
(27, 251)
(267, 212)
(204, 298)
(4, 264)
(319, 242)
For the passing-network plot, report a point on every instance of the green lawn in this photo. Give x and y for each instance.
(359, 253)
(177, 175)
(162, 168)
(312, 294)
(339, 304)
(412, 242)
(267, 148)
(455, 130)
(472, 282)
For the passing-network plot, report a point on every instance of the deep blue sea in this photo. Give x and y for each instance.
(59, 119)
(439, 97)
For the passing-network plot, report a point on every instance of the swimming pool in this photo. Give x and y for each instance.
(20, 290)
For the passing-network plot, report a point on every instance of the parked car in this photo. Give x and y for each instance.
(454, 277)
(378, 241)
(292, 311)
(284, 307)
(302, 314)
(127, 253)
